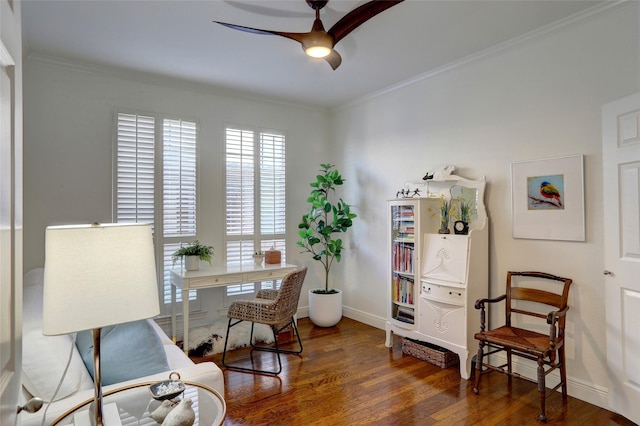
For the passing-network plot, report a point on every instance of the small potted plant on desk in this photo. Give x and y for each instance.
(258, 257)
(325, 219)
(193, 253)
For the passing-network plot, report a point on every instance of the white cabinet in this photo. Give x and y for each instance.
(449, 272)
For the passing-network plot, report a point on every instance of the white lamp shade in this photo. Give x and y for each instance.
(98, 275)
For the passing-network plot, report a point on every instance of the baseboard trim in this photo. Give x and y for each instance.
(596, 395)
(364, 317)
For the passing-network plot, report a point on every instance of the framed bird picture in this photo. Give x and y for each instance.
(547, 199)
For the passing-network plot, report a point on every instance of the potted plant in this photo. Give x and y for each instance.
(326, 218)
(445, 215)
(193, 253)
(258, 257)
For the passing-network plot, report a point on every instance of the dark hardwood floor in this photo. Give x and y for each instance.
(346, 376)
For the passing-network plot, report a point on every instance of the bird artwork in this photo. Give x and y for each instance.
(427, 176)
(550, 192)
(182, 415)
(443, 173)
(160, 413)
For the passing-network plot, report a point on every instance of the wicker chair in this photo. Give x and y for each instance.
(275, 308)
(546, 349)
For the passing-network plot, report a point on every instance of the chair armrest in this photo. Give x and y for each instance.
(480, 302)
(480, 305)
(552, 317)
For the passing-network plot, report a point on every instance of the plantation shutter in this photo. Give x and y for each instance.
(135, 169)
(135, 189)
(179, 178)
(272, 191)
(255, 179)
(178, 193)
(240, 195)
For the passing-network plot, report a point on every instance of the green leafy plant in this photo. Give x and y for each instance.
(445, 212)
(194, 248)
(463, 209)
(326, 218)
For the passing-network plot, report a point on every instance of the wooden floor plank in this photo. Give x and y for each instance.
(346, 376)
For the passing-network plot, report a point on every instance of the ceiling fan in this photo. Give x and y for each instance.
(319, 43)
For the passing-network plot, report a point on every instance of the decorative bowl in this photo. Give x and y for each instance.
(167, 389)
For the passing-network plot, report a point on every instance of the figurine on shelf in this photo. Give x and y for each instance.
(428, 176)
(443, 173)
(407, 193)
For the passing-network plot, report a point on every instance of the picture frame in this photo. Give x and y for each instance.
(547, 199)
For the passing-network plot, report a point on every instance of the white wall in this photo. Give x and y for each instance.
(535, 100)
(69, 132)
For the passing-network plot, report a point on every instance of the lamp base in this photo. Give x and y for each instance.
(87, 417)
(96, 377)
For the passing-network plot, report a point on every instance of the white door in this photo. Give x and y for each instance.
(10, 244)
(621, 170)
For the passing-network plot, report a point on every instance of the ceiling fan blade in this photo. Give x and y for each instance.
(299, 37)
(334, 59)
(358, 16)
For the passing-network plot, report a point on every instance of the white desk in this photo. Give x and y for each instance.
(217, 276)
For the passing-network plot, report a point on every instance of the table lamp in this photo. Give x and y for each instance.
(95, 276)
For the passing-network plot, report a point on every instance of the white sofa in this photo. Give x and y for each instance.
(45, 357)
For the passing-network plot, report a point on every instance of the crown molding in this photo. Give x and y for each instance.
(575, 19)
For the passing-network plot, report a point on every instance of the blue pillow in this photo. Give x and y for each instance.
(127, 351)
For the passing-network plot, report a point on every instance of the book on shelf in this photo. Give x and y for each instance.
(405, 314)
(406, 228)
(403, 289)
(407, 320)
(403, 256)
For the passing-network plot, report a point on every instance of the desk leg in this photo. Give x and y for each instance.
(185, 319)
(173, 314)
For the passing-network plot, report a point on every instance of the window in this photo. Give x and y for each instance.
(255, 178)
(136, 183)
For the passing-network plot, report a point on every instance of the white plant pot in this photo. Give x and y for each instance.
(325, 310)
(192, 263)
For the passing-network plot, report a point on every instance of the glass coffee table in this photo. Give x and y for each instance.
(134, 404)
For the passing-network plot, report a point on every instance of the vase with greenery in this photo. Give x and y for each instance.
(466, 210)
(445, 215)
(195, 249)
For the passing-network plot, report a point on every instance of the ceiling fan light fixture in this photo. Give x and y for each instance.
(319, 44)
(318, 51)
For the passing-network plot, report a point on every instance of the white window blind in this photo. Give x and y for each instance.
(179, 178)
(178, 192)
(135, 188)
(255, 179)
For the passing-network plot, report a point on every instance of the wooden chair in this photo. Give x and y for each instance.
(275, 308)
(546, 349)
